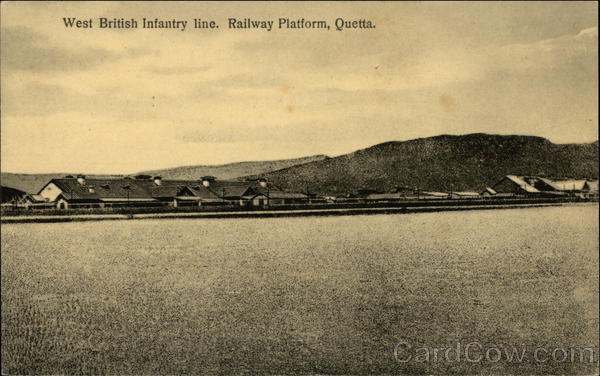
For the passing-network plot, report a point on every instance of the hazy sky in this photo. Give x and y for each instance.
(120, 101)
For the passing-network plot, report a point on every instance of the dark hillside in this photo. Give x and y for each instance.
(444, 163)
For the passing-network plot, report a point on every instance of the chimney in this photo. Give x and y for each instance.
(158, 180)
(81, 179)
(91, 189)
(206, 180)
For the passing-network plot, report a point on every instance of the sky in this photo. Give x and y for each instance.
(127, 100)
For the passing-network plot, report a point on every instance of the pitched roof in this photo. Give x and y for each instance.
(139, 189)
(204, 193)
(216, 189)
(8, 194)
(253, 196)
(522, 183)
(549, 182)
(102, 188)
(230, 191)
(34, 198)
(226, 188)
(38, 197)
(569, 185)
(168, 191)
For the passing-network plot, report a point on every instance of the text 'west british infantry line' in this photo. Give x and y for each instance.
(232, 23)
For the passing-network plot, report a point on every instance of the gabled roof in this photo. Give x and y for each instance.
(522, 183)
(570, 185)
(549, 183)
(237, 188)
(232, 191)
(147, 189)
(9, 194)
(102, 188)
(204, 193)
(216, 189)
(253, 196)
(34, 198)
(169, 191)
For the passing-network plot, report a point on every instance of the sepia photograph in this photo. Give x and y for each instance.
(299, 188)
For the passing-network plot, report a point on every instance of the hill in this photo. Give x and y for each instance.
(32, 183)
(232, 170)
(468, 162)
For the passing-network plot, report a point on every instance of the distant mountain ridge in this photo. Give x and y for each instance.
(232, 170)
(32, 183)
(444, 163)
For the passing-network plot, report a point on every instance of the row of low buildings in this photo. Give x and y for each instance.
(143, 190)
(509, 186)
(146, 191)
(513, 185)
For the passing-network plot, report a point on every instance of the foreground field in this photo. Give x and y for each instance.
(326, 295)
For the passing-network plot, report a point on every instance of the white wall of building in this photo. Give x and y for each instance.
(51, 192)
